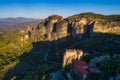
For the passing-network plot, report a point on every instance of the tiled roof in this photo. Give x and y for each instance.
(80, 70)
(83, 71)
(80, 62)
(78, 67)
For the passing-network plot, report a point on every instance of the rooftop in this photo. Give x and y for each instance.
(80, 62)
(78, 66)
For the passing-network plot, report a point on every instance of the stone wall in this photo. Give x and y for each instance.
(71, 55)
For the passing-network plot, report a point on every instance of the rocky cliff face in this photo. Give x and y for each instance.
(55, 27)
(106, 27)
(52, 28)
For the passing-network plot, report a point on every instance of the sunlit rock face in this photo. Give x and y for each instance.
(55, 27)
(82, 28)
(61, 29)
(36, 32)
(50, 23)
(49, 29)
(103, 26)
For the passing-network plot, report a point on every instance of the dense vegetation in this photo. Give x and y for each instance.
(11, 48)
(39, 69)
(91, 15)
(110, 68)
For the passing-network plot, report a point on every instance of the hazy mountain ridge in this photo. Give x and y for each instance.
(15, 26)
(16, 20)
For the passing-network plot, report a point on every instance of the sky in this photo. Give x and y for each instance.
(44, 8)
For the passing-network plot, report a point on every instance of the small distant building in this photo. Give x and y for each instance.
(82, 69)
(71, 55)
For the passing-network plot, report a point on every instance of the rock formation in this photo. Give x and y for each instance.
(71, 55)
(78, 27)
(55, 27)
(103, 26)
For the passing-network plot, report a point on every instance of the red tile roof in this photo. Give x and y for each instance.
(80, 62)
(83, 71)
(80, 70)
(78, 67)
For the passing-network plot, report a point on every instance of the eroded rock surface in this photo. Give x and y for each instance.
(55, 27)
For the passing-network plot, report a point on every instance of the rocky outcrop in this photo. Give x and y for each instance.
(24, 38)
(78, 27)
(61, 29)
(52, 28)
(55, 27)
(103, 26)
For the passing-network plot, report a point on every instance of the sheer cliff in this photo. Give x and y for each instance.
(55, 27)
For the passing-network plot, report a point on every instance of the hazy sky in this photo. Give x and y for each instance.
(44, 8)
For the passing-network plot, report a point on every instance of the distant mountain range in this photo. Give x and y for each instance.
(16, 20)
